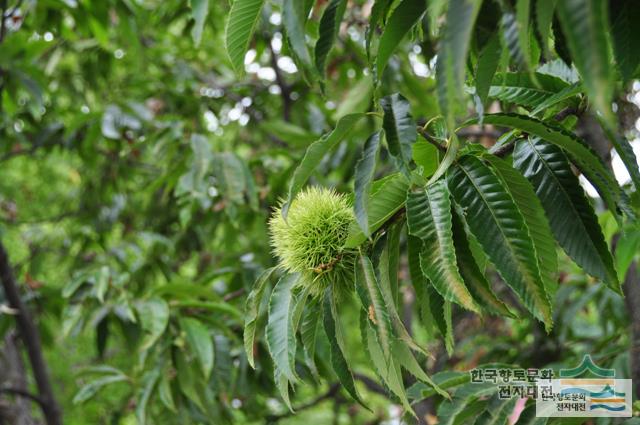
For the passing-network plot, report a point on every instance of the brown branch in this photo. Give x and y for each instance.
(332, 392)
(23, 393)
(431, 140)
(31, 338)
(233, 295)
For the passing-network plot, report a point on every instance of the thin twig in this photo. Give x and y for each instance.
(22, 393)
(332, 392)
(233, 295)
(431, 140)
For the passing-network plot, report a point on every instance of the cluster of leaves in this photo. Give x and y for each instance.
(507, 206)
(139, 173)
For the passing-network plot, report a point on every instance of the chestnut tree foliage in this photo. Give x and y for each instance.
(295, 210)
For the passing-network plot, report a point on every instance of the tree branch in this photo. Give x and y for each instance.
(332, 392)
(31, 338)
(23, 393)
(431, 140)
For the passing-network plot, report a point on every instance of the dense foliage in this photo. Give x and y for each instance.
(228, 212)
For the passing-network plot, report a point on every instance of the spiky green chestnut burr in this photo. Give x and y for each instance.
(311, 240)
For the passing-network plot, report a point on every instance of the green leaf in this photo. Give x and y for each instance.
(444, 380)
(251, 312)
(309, 331)
(519, 88)
(165, 394)
(403, 18)
(585, 25)
(498, 225)
(316, 152)
(544, 18)
(329, 28)
(399, 129)
(288, 132)
(385, 365)
(625, 15)
(387, 198)
(451, 411)
(571, 216)
(429, 218)
(373, 303)
(535, 220)
(488, 61)
(407, 360)
(282, 383)
(581, 154)
(243, 18)
(199, 12)
(336, 342)
(497, 412)
(557, 98)
(379, 12)
(425, 155)
(365, 169)
(478, 285)
(149, 380)
(452, 55)
(154, 318)
(523, 8)
(294, 18)
(281, 339)
(200, 342)
(389, 290)
(92, 388)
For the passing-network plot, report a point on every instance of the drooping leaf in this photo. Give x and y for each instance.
(316, 152)
(311, 324)
(399, 129)
(243, 18)
(251, 312)
(199, 12)
(91, 389)
(544, 18)
(403, 18)
(294, 19)
(365, 169)
(585, 25)
(488, 61)
(329, 27)
(407, 360)
(280, 335)
(378, 14)
(450, 412)
(154, 318)
(370, 294)
(429, 218)
(579, 151)
(625, 15)
(200, 342)
(478, 285)
(571, 216)
(626, 153)
(336, 342)
(387, 198)
(385, 365)
(497, 224)
(149, 381)
(381, 262)
(282, 383)
(534, 217)
(452, 55)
